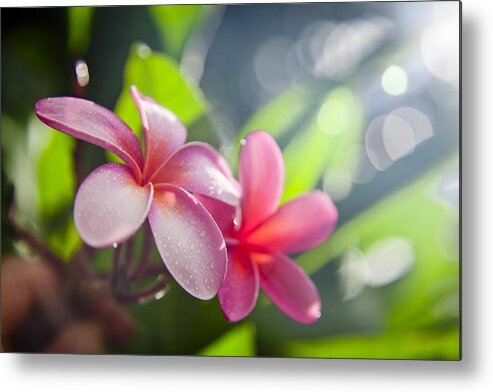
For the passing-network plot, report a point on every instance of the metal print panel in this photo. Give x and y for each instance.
(274, 180)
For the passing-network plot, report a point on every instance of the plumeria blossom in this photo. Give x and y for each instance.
(115, 199)
(259, 234)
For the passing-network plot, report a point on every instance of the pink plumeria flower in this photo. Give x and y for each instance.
(115, 199)
(260, 234)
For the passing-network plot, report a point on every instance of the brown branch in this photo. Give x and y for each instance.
(35, 243)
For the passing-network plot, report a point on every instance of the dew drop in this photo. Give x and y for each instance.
(143, 51)
(242, 142)
(82, 72)
(160, 294)
(115, 245)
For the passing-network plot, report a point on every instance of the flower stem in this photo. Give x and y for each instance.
(129, 252)
(78, 162)
(145, 255)
(116, 268)
(146, 294)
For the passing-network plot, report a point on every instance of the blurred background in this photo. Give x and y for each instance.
(363, 98)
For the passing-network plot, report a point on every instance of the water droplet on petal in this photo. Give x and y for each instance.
(115, 245)
(242, 142)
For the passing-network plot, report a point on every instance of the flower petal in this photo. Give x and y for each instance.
(261, 174)
(239, 291)
(222, 213)
(197, 167)
(110, 206)
(298, 225)
(188, 240)
(95, 124)
(288, 287)
(163, 131)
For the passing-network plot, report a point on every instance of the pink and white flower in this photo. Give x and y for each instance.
(115, 199)
(260, 234)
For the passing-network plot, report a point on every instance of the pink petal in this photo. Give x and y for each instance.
(288, 287)
(298, 225)
(95, 124)
(222, 213)
(189, 241)
(163, 131)
(239, 291)
(197, 167)
(110, 206)
(261, 174)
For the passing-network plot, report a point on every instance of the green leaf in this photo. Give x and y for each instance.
(237, 342)
(56, 189)
(79, 29)
(278, 116)
(158, 76)
(324, 142)
(39, 162)
(19, 164)
(421, 344)
(63, 238)
(176, 23)
(55, 172)
(281, 113)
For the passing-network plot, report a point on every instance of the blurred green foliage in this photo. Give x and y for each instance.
(177, 324)
(158, 76)
(328, 137)
(430, 344)
(79, 29)
(176, 24)
(422, 309)
(237, 342)
(40, 166)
